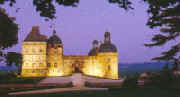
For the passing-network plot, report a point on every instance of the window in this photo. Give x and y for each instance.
(26, 51)
(48, 64)
(33, 71)
(33, 50)
(109, 68)
(40, 64)
(59, 45)
(55, 64)
(109, 60)
(40, 50)
(55, 46)
(52, 45)
(33, 65)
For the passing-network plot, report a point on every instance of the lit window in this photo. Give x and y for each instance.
(33, 65)
(59, 45)
(55, 46)
(109, 68)
(40, 50)
(48, 64)
(55, 64)
(33, 71)
(33, 50)
(40, 64)
(109, 59)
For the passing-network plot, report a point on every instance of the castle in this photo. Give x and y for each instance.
(44, 57)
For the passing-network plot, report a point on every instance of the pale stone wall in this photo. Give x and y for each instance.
(109, 64)
(92, 67)
(35, 64)
(70, 60)
(34, 59)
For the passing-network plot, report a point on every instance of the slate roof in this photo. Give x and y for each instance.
(35, 35)
(107, 47)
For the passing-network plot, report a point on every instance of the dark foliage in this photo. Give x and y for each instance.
(47, 8)
(126, 4)
(165, 15)
(11, 77)
(13, 58)
(130, 82)
(165, 79)
(162, 80)
(8, 31)
(11, 2)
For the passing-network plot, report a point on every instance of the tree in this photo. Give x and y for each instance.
(8, 32)
(14, 58)
(165, 14)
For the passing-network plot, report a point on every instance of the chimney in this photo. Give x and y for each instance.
(95, 44)
(35, 29)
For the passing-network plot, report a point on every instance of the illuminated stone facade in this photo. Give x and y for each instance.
(43, 57)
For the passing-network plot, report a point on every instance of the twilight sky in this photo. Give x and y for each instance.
(79, 26)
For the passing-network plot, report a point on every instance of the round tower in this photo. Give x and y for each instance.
(108, 58)
(95, 44)
(94, 50)
(54, 56)
(107, 37)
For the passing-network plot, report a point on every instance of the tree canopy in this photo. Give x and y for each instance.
(8, 32)
(165, 14)
(13, 58)
(47, 8)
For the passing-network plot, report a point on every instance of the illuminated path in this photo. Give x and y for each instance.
(65, 80)
(57, 80)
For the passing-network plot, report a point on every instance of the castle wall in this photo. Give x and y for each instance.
(69, 61)
(34, 59)
(37, 64)
(44, 57)
(109, 64)
(92, 67)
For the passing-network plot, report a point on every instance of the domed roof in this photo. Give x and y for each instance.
(54, 39)
(93, 52)
(107, 47)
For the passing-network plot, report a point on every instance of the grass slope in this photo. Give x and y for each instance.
(115, 92)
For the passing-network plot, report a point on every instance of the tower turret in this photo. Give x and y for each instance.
(95, 44)
(107, 37)
(55, 52)
(107, 56)
(107, 46)
(94, 50)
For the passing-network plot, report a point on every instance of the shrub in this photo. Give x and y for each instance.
(130, 82)
(164, 79)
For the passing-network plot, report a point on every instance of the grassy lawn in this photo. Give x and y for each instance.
(7, 78)
(115, 92)
(16, 80)
(163, 85)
